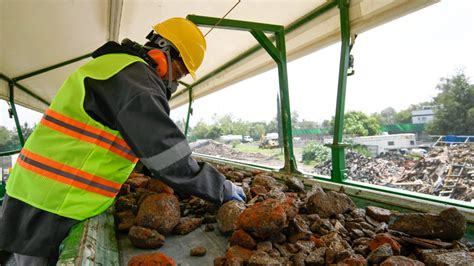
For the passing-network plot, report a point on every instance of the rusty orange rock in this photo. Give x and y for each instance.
(241, 238)
(159, 187)
(264, 219)
(151, 259)
(383, 238)
(160, 212)
(238, 252)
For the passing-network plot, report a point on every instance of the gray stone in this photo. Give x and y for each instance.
(444, 257)
(260, 258)
(329, 204)
(379, 214)
(450, 224)
(317, 257)
(402, 261)
(380, 254)
(294, 184)
(228, 214)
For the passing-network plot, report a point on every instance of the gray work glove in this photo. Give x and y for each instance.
(233, 192)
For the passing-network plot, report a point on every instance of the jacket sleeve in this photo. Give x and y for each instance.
(134, 102)
(145, 124)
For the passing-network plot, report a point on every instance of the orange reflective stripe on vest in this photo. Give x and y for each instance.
(87, 133)
(66, 174)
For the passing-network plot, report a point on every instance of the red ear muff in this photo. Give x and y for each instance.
(161, 63)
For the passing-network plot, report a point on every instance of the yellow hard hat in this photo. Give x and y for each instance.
(187, 38)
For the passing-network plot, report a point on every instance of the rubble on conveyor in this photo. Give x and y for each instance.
(283, 224)
(446, 171)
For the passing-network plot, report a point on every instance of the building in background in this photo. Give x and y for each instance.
(423, 116)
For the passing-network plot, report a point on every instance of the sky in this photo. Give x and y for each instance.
(396, 65)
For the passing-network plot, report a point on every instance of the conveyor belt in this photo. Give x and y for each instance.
(178, 247)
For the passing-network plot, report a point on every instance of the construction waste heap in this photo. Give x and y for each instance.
(286, 223)
(446, 171)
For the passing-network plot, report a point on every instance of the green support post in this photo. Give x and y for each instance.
(190, 111)
(278, 54)
(338, 173)
(15, 114)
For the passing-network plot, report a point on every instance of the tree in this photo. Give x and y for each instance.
(9, 138)
(357, 123)
(307, 124)
(403, 117)
(388, 116)
(294, 119)
(455, 107)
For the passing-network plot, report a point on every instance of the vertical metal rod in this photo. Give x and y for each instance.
(15, 114)
(338, 173)
(290, 162)
(190, 110)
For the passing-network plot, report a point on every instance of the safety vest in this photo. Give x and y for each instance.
(72, 165)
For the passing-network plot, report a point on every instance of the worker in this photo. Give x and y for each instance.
(110, 113)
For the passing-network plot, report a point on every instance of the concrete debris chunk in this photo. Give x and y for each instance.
(160, 212)
(450, 224)
(284, 225)
(187, 225)
(227, 216)
(198, 251)
(142, 237)
(327, 204)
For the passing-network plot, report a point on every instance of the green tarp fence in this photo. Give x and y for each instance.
(391, 129)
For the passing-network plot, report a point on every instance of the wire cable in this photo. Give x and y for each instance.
(219, 21)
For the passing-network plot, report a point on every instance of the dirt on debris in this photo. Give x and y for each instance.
(282, 224)
(214, 148)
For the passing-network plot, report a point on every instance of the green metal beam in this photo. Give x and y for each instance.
(293, 26)
(290, 161)
(23, 88)
(46, 69)
(278, 53)
(190, 108)
(267, 44)
(233, 24)
(15, 114)
(7, 153)
(338, 173)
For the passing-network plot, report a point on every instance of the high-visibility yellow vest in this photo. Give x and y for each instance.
(72, 165)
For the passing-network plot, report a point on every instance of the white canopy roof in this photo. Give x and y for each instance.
(38, 34)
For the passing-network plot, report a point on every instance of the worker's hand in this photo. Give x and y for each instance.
(235, 193)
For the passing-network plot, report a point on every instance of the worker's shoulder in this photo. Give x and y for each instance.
(142, 78)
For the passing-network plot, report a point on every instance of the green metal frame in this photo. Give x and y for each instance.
(13, 82)
(338, 172)
(190, 108)
(278, 54)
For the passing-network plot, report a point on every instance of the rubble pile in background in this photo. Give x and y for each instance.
(282, 224)
(446, 171)
(214, 148)
(378, 171)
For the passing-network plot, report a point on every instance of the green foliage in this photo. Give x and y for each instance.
(403, 117)
(455, 107)
(361, 149)
(9, 138)
(228, 125)
(4, 135)
(315, 152)
(357, 123)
